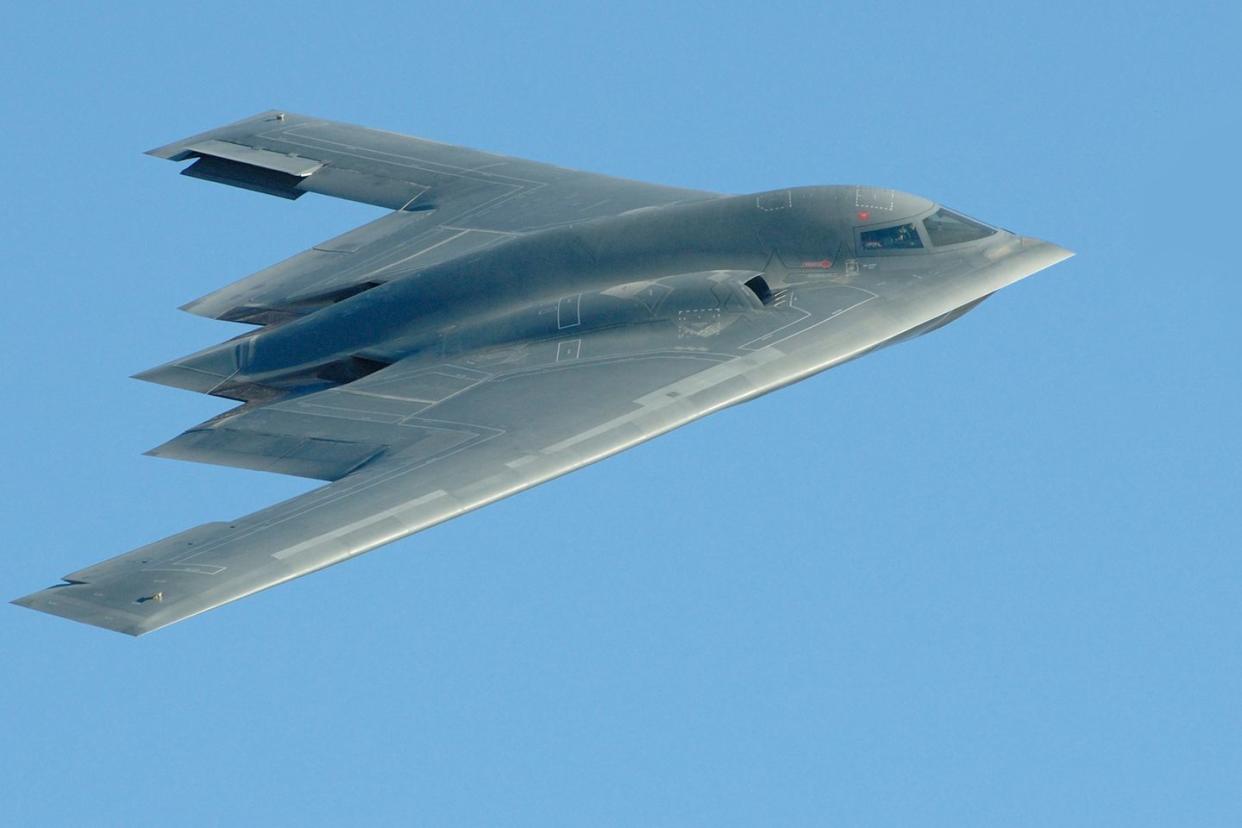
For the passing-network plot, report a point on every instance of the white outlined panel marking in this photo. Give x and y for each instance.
(567, 311)
(770, 202)
(874, 198)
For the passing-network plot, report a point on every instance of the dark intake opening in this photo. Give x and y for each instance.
(759, 286)
(348, 370)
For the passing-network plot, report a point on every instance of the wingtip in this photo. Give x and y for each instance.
(175, 151)
(52, 602)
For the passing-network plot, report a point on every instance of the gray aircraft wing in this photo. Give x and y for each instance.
(446, 201)
(427, 439)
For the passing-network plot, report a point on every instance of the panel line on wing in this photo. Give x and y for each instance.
(671, 395)
(359, 524)
(411, 161)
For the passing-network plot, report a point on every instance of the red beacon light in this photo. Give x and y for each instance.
(863, 215)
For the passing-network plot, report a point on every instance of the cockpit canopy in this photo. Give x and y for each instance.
(945, 227)
(941, 229)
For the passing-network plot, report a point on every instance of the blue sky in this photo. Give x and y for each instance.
(990, 577)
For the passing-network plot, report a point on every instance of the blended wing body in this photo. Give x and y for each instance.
(418, 435)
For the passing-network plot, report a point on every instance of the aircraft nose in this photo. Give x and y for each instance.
(1045, 249)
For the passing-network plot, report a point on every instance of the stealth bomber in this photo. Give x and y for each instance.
(504, 323)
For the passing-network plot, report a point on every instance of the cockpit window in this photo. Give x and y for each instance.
(946, 227)
(901, 237)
